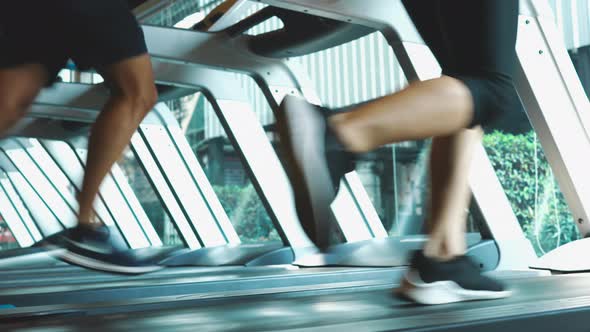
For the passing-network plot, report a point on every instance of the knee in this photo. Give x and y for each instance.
(13, 107)
(457, 96)
(139, 101)
(455, 88)
(493, 95)
(145, 99)
(149, 98)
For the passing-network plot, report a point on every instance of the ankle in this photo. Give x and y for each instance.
(89, 225)
(349, 135)
(441, 253)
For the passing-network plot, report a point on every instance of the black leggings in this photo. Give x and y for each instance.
(474, 41)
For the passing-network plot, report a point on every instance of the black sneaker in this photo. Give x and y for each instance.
(314, 161)
(433, 282)
(98, 249)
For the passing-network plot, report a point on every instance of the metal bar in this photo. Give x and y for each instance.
(180, 182)
(179, 141)
(37, 180)
(556, 105)
(65, 157)
(16, 225)
(134, 206)
(162, 188)
(120, 210)
(15, 185)
(19, 207)
(55, 177)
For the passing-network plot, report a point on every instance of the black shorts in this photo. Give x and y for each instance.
(93, 33)
(474, 41)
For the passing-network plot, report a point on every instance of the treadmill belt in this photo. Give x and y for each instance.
(557, 303)
(178, 282)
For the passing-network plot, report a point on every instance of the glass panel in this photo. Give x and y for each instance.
(148, 199)
(14, 208)
(161, 186)
(117, 204)
(36, 207)
(530, 185)
(581, 59)
(42, 185)
(571, 19)
(224, 169)
(171, 157)
(10, 216)
(7, 240)
(67, 172)
(401, 199)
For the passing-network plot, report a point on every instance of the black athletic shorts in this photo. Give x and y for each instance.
(93, 33)
(474, 41)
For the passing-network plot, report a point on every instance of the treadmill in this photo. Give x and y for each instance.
(541, 304)
(75, 277)
(354, 306)
(28, 288)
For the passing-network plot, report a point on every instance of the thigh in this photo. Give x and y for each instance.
(132, 77)
(19, 85)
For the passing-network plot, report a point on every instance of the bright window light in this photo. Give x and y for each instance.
(190, 20)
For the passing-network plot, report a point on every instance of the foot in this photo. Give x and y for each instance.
(98, 249)
(432, 282)
(315, 162)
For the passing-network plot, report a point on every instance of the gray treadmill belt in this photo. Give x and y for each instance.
(251, 279)
(539, 304)
(78, 276)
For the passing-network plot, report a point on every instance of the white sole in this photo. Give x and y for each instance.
(443, 292)
(87, 262)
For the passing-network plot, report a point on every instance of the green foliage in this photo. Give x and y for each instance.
(247, 214)
(527, 179)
